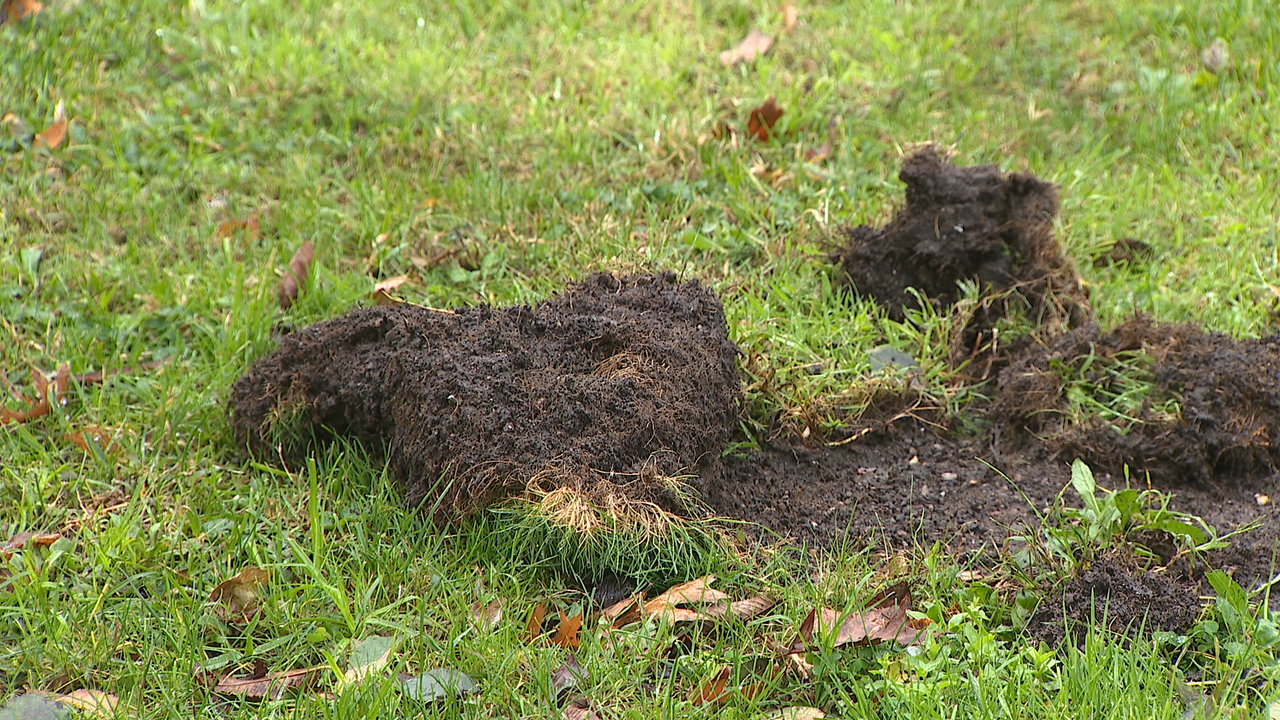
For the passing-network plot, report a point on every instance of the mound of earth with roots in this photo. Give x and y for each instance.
(611, 389)
(966, 224)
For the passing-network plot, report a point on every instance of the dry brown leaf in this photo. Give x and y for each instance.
(742, 609)
(754, 45)
(250, 225)
(580, 709)
(694, 591)
(713, 691)
(569, 674)
(569, 634)
(487, 617)
(790, 16)
(273, 685)
(239, 594)
(25, 539)
(94, 433)
(533, 630)
(12, 11)
(296, 276)
(624, 612)
(762, 119)
(53, 135)
(43, 404)
(92, 702)
(391, 284)
(887, 620)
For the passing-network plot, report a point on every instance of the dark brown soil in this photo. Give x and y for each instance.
(1113, 595)
(612, 387)
(966, 223)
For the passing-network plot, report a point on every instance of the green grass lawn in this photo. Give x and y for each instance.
(497, 151)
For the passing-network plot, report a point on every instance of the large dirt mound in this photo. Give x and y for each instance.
(965, 224)
(611, 388)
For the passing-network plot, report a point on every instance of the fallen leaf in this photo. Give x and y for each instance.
(53, 135)
(97, 435)
(819, 154)
(624, 612)
(231, 227)
(580, 708)
(798, 713)
(743, 609)
(754, 45)
(43, 404)
(296, 276)
(762, 119)
(368, 658)
(440, 682)
(887, 620)
(92, 702)
(569, 634)
(790, 16)
(13, 11)
(533, 629)
(569, 674)
(272, 685)
(391, 284)
(694, 591)
(713, 691)
(239, 595)
(487, 617)
(35, 540)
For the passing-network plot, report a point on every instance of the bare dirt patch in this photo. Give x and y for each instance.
(612, 388)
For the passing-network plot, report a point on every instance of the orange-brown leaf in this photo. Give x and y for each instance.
(762, 119)
(487, 617)
(97, 435)
(624, 612)
(743, 609)
(533, 630)
(53, 135)
(713, 691)
(273, 686)
(12, 11)
(580, 709)
(296, 276)
(790, 16)
(569, 634)
(755, 44)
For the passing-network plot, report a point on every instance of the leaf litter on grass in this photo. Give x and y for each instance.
(295, 276)
(238, 597)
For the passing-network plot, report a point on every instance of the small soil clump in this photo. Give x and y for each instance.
(1110, 594)
(611, 389)
(966, 224)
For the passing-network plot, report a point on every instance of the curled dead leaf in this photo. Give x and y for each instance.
(238, 596)
(487, 617)
(272, 686)
(96, 703)
(95, 434)
(714, 690)
(569, 675)
(250, 226)
(296, 276)
(762, 119)
(52, 136)
(580, 709)
(755, 44)
(533, 629)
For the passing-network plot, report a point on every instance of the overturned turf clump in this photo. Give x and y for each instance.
(608, 389)
(1228, 401)
(965, 224)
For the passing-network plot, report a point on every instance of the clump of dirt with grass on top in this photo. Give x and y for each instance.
(607, 392)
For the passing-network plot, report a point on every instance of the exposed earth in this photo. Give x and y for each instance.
(619, 385)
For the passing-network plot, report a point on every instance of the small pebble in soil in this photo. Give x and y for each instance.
(915, 460)
(1262, 499)
(949, 476)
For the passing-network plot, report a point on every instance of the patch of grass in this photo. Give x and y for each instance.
(498, 151)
